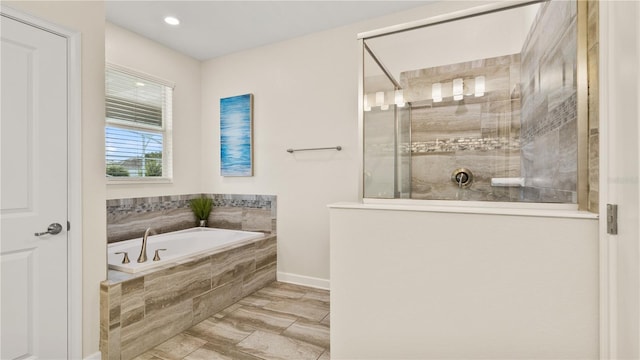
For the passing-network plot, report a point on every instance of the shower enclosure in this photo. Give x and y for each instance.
(489, 107)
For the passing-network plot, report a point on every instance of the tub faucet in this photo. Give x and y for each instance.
(143, 252)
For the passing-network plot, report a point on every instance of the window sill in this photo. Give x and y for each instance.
(136, 181)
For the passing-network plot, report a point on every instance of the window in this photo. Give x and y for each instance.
(138, 126)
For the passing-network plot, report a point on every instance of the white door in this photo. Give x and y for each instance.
(33, 194)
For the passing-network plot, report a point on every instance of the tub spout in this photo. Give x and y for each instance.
(143, 252)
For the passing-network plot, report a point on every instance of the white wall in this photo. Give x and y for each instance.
(87, 18)
(433, 285)
(125, 48)
(620, 170)
(305, 96)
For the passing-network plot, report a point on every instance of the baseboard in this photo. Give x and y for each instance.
(304, 280)
(94, 356)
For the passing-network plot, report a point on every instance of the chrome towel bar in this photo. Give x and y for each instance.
(312, 149)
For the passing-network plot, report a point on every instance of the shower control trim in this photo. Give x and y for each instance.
(462, 177)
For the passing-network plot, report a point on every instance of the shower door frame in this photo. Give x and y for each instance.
(582, 181)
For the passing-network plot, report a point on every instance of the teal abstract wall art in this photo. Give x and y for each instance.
(236, 148)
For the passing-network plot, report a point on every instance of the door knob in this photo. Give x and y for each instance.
(53, 229)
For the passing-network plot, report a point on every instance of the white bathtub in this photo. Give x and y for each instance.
(179, 244)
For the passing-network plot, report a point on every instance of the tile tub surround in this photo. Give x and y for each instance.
(140, 311)
(280, 321)
(129, 218)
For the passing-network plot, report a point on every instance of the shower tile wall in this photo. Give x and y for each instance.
(478, 133)
(128, 218)
(549, 117)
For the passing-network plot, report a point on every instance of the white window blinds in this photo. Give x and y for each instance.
(138, 125)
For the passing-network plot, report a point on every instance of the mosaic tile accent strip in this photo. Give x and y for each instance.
(464, 144)
(129, 218)
(138, 312)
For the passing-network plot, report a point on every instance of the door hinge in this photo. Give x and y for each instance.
(68, 226)
(612, 219)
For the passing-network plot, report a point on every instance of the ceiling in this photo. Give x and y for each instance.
(210, 29)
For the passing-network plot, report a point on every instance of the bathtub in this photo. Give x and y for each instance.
(179, 245)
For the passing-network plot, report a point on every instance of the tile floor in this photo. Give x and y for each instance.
(279, 321)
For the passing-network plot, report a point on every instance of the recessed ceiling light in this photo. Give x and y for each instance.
(172, 20)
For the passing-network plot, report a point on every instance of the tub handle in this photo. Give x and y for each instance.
(156, 256)
(125, 259)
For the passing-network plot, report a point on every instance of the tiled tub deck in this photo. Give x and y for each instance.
(138, 312)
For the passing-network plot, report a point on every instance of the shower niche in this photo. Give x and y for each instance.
(500, 95)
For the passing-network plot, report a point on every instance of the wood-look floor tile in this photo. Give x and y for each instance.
(277, 347)
(228, 310)
(262, 318)
(147, 356)
(256, 300)
(177, 347)
(316, 294)
(220, 331)
(281, 291)
(212, 351)
(306, 308)
(326, 320)
(281, 321)
(310, 332)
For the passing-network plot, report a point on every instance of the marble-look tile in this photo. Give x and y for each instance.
(262, 319)
(283, 290)
(594, 86)
(128, 218)
(132, 301)
(256, 300)
(266, 251)
(317, 294)
(125, 226)
(256, 220)
(567, 157)
(460, 120)
(221, 331)
(259, 279)
(232, 264)
(168, 322)
(104, 320)
(216, 300)
(147, 356)
(271, 346)
(228, 310)
(211, 351)
(305, 308)
(132, 340)
(309, 331)
(176, 284)
(114, 301)
(226, 218)
(592, 23)
(222, 335)
(431, 174)
(178, 347)
(326, 320)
